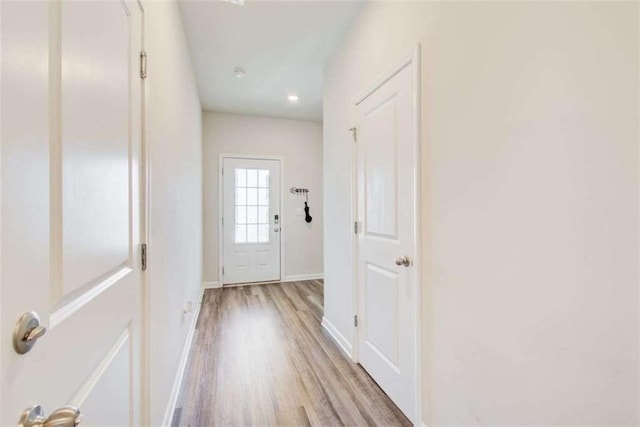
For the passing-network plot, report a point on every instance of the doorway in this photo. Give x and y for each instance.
(251, 220)
(387, 191)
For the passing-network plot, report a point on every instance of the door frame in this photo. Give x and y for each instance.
(412, 58)
(221, 158)
(145, 221)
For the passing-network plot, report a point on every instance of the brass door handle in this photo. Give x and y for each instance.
(67, 416)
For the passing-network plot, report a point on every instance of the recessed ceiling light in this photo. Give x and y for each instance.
(236, 2)
(293, 98)
(239, 72)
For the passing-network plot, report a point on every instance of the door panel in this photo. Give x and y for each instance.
(251, 201)
(95, 114)
(380, 170)
(113, 371)
(386, 209)
(381, 301)
(71, 110)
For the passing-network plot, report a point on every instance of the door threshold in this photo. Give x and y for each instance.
(235, 285)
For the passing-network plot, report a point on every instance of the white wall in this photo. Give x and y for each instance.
(300, 144)
(530, 225)
(175, 242)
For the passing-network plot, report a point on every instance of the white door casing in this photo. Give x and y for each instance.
(71, 134)
(386, 211)
(251, 232)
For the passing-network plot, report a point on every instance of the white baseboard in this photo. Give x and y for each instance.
(301, 277)
(342, 342)
(292, 278)
(177, 383)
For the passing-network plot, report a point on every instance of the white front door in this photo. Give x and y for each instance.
(71, 126)
(251, 220)
(386, 152)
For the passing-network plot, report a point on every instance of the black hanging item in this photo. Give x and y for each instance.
(308, 218)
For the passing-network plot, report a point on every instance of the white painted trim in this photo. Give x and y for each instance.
(295, 278)
(145, 220)
(388, 75)
(101, 285)
(355, 303)
(339, 339)
(177, 383)
(87, 387)
(418, 265)
(239, 285)
(221, 158)
(212, 285)
(413, 57)
(301, 277)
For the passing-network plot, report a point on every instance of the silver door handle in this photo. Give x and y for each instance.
(405, 260)
(27, 331)
(67, 416)
(277, 229)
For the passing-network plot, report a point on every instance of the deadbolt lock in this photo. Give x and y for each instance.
(27, 331)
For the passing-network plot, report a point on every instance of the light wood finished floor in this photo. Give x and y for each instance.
(261, 358)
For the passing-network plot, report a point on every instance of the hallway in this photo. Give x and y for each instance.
(260, 357)
(209, 210)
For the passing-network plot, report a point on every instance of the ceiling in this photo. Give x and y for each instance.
(281, 45)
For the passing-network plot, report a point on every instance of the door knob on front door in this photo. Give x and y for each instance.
(67, 416)
(405, 260)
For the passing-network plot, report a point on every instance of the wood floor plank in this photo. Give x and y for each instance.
(260, 357)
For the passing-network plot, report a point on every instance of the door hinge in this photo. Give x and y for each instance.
(143, 256)
(222, 171)
(223, 270)
(222, 220)
(354, 131)
(355, 320)
(355, 227)
(143, 65)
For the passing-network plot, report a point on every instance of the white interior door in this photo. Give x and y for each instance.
(251, 220)
(71, 109)
(386, 147)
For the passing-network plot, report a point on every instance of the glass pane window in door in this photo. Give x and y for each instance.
(241, 196)
(241, 234)
(263, 233)
(252, 233)
(263, 214)
(241, 215)
(263, 178)
(252, 214)
(252, 205)
(241, 177)
(263, 196)
(252, 178)
(252, 197)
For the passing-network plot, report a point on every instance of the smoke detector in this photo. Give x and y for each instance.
(239, 72)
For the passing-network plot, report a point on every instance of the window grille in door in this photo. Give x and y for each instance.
(251, 205)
